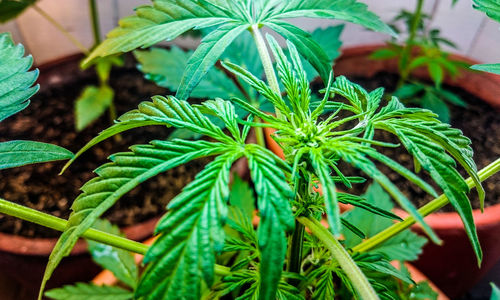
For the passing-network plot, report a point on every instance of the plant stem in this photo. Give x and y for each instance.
(61, 28)
(59, 224)
(425, 210)
(358, 279)
(94, 16)
(266, 61)
(405, 57)
(259, 133)
(297, 238)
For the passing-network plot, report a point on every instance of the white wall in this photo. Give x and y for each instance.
(476, 35)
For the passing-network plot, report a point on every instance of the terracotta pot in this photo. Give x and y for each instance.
(24, 260)
(452, 266)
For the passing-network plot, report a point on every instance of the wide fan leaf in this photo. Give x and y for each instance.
(126, 171)
(161, 111)
(191, 235)
(86, 291)
(164, 20)
(9, 9)
(20, 153)
(16, 83)
(274, 194)
(429, 140)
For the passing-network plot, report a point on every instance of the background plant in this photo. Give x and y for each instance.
(423, 48)
(93, 101)
(185, 260)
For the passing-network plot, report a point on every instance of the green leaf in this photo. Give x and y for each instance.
(124, 173)
(490, 7)
(164, 20)
(322, 170)
(16, 83)
(491, 68)
(10, 9)
(429, 140)
(120, 262)
(91, 104)
(191, 235)
(206, 55)
(242, 196)
(274, 195)
(384, 53)
(346, 10)
(85, 291)
(436, 72)
(495, 292)
(306, 45)
(405, 246)
(161, 111)
(433, 103)
(165, 68)
(20, 153)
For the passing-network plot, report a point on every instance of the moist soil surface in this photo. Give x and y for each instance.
(49, 118)
(478, 121)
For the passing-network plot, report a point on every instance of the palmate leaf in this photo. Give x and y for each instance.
(191, 235)
(9, 9)
(274, 194)
(86, 291)
(120, 262)
(167, 19)
(429, 140)
(20, 153)
(125, 172)
(16, 83)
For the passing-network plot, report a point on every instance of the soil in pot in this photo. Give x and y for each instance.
(49, 118)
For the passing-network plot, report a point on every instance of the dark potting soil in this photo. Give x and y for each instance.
(478, 121)
(49, 118)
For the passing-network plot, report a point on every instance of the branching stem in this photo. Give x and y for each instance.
(425, 210)
(96, 28)
(358, 279)
(59, 224)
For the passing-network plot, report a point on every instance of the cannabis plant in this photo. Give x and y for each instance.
(207, 245)
(93, 101)
(422, 49)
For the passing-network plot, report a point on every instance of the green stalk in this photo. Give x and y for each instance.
(259, 133)
(358, 279)
(405, 56)
(266, 61)
(297, 238)
(425, 210)
(94, 16)
(59, 224)
(61, 28)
